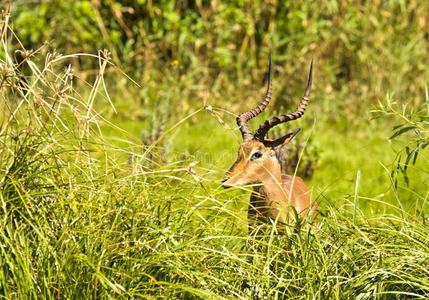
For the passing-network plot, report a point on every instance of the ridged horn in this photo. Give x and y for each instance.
(243, 118)
(268, 124)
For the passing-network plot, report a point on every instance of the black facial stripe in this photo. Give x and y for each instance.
(236, 163)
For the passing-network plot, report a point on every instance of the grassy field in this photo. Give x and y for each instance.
(110, 179)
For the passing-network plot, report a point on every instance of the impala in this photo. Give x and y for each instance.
(274, 193)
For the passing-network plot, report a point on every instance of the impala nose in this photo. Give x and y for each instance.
(225, 186)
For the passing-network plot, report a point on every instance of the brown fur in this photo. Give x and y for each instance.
(277, 192)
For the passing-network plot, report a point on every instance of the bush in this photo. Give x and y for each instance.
(356, 46)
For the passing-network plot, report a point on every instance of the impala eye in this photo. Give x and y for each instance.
(257, 155)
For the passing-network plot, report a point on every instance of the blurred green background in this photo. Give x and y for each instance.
(362, 49)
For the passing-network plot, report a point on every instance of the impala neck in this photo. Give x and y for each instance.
(273, 189)
(272, 186)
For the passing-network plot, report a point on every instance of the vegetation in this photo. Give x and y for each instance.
(110, 160)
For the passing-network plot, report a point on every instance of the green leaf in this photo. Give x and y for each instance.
(401, 131)
(397, 126)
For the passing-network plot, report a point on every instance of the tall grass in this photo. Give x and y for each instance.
(84, 218)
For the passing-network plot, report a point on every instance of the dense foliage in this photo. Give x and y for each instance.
(364, 49)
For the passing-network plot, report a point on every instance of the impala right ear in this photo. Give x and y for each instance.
(284, 140)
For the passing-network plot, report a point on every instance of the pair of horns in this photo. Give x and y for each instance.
(260, 134)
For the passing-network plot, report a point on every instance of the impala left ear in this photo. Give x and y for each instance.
(280, 142)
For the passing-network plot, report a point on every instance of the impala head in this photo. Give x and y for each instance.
(256, 156)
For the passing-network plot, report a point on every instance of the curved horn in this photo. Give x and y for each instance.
(268, 124)
(244, 117)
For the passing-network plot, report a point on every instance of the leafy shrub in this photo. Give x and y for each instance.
(411, 121)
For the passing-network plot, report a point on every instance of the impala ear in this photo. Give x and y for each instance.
(280, 142)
